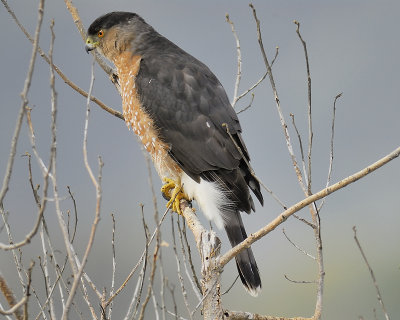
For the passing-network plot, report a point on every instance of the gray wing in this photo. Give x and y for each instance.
(189, 105)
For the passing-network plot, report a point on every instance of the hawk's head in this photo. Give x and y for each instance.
(114, 33)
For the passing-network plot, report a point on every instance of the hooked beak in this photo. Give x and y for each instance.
(88, 48)
(90, 44)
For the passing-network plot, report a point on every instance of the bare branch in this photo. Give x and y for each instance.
(305, 202)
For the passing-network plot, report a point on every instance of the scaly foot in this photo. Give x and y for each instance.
(172, 191)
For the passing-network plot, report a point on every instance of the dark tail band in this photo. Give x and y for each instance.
(245, 261)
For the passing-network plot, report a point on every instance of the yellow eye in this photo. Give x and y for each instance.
(100, 34)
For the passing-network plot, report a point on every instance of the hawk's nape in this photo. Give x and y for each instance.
(180, 113)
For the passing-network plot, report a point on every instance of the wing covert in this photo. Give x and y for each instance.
(189, 105)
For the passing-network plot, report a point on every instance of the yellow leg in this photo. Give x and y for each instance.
(173, 191)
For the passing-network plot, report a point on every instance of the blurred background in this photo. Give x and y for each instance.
(353, 48)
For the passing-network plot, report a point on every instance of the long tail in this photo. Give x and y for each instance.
(245, 261)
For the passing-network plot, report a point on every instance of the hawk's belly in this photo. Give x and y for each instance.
(141, 122)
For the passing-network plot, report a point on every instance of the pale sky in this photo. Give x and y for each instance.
(353, 48)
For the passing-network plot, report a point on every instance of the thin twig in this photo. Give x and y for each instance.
(153, 296)
(189, 252)
(178, 265)
(304, 221)
(297, 281)
(114, 265)
(301, 147)
(239, 61)
(75, 212)
(231, 286)
(163, 281)
(196, 289)
(260, 80)
(310, 128)
(328, 180)
(297, 247)
(171, 290)
(34, 189)
(248, 106)
(378, 293)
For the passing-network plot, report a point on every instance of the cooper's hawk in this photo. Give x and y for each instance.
(180, 112)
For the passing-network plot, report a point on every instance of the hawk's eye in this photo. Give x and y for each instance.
(100, 33)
